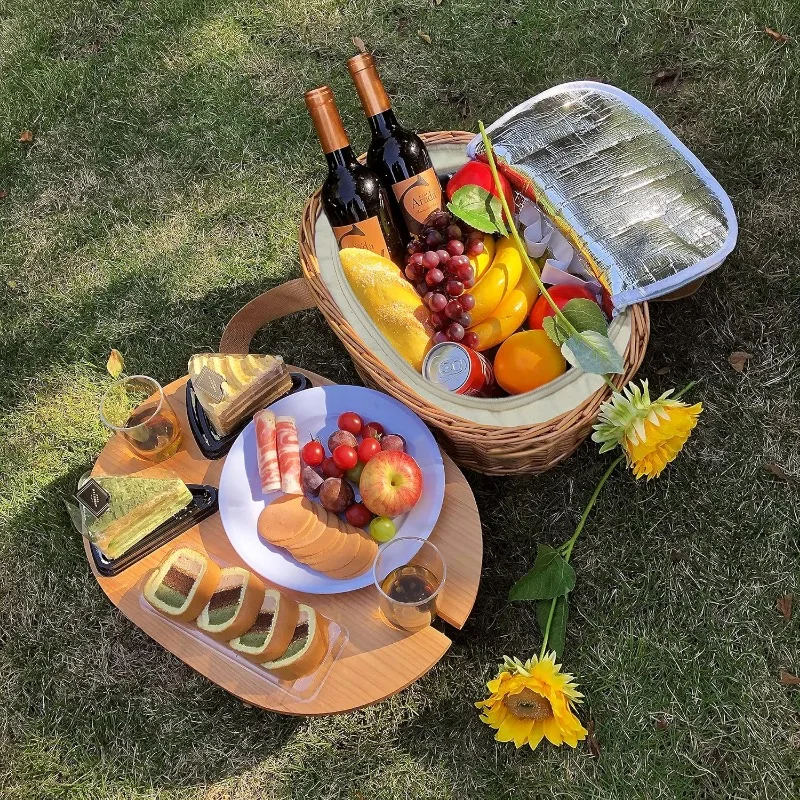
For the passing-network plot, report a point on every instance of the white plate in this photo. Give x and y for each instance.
(315, 412)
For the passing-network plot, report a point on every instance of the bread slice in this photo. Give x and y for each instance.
(233, 607)
(306, 650)
(270, 634)
(248, 383)
(137, 507)
(182, 585)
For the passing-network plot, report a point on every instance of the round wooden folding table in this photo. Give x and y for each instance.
(377, 661)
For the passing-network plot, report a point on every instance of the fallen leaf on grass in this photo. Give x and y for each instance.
(784, 605)
(26, 136)
(591, 739)
(738, 359)
(778, 37)
(661, 724)
(778, 471)
(3, 194)
(787, 679)
(667, 78)
(424, 36)
(359, 44)
(115, 363)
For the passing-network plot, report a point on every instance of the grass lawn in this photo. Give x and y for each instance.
(170, 160)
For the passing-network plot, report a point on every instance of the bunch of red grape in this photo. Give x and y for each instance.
(437, 263)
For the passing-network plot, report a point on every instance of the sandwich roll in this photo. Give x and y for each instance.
(306, 650)
(182, 585)
(271, 633)
(234, 605)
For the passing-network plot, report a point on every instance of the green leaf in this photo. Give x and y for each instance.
(585, 315)
(550, 577)
(593, 352)
(479, 208)
(558, 625)
(554, 328)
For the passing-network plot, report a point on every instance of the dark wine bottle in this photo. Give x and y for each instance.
(355, 201)
(397, 154)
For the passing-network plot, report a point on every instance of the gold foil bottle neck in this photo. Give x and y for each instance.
(364, 73)
(325, 116)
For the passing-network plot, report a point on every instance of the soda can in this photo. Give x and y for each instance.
(459, 369)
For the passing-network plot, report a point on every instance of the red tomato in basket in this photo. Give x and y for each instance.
(479, 174)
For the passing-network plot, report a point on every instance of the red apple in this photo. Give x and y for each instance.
(391, 483)
(478, 173)
(561, 296)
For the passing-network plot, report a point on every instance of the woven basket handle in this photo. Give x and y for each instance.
(279, 302)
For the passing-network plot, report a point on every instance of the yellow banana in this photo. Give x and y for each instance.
(509, 315)
(499, 280)
(483, 261)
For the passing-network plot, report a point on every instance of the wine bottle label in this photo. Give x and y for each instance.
(418, 196)
(364, 235)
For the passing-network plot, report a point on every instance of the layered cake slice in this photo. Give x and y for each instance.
(306, 650)
(234, 605)
(232, 387)
(137, 506)
(272, 631)
(182, 585)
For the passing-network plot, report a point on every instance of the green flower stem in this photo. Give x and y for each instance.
(487, 145)
(567, 547)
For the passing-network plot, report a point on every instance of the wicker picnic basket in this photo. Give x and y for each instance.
(494, 450)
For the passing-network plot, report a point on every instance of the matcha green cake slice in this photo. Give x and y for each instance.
(137, 507)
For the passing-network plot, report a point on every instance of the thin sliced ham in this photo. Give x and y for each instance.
(288, 455)
(266, 442)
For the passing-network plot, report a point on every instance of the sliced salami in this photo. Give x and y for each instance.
(288, 455)
(266, 442)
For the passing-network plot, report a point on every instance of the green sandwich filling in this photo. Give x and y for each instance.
(223, 606)
(257, 635)
(298, 642)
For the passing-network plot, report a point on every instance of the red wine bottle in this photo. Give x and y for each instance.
(354, 200)
(397, 154)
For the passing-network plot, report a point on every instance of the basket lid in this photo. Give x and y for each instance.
(560, 396)
(649, 216)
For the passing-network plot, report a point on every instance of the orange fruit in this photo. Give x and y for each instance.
(526, 361)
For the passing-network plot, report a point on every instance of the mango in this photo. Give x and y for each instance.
(391, 302)
(509, 315)
(498, 281)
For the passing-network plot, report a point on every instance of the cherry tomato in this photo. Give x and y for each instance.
(350, 421)
(330, 470)
(368, 448)
(372, 430)
(313, 453)
(345, 457)
(359, 515)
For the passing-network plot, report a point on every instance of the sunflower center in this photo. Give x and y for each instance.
(528, 704)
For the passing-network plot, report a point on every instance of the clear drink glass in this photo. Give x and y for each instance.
(137, 409)
(409, 583)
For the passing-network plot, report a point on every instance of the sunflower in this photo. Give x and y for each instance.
(531, 701)
(650, 432)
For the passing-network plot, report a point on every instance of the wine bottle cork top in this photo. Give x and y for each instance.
(325, 116)
(364, 73)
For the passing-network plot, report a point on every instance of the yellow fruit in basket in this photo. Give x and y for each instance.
(390, 301)
(526, 361)
(509, 315)
(482, 262)
(499, 280)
